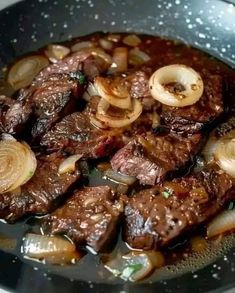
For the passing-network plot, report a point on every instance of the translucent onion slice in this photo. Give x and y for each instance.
(81, 46)
(225, 155)
(17, 164)
(127, 118)
(188, 90)
(113, 92)
(119, 178)
(131, 40)
(51, 249)
(106, 44)
(131, 267)
(224, 222)
(90, 91)
(210, 148)
(120, 58)
(100, 53)
(23, 72)
(138, 57)
(56, 52)
(69, 164)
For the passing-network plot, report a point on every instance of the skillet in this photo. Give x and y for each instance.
(29, 25)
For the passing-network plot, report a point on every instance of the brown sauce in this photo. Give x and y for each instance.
(161, 52)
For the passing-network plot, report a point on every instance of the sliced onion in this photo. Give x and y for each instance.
(56, 52)
(90, 91)
(106, 44)
(51, 249)
(69, 164)
(100, 53)
(114, 38)
(119, 178)
(81, 46)
(180, 74)
(17, 164)
(127, 118)
(131, 40)
(225, 155)
(113, 92)
(138, 57)
(102, 107)
(209, 149)
(120, 57)
(23, 72)
(224, 222)
(97, 123)
(131, 267)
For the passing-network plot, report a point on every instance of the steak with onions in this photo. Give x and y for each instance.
(156, 216)
(89, 217)
(151, 158)
(40, 194)
(193, 118)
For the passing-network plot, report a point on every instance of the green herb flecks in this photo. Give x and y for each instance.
(167, 193)
(79, 76)
(129, 270)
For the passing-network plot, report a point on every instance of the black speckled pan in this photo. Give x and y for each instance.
(29, 25)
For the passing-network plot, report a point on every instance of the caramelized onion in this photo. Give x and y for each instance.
(68, 165)
(119, 178)
(113, 92)
(131, 267)
(100, 53)
(23, 72)
(138, 57)
(120, 56)
(224, 222)
(225, 155)
(176, 85)
(131, 40)
(51, 249)
(81, 46)
(209, 149)
(56, 52)
(106, 44)
(17, 164)
(90, 91)
(127, 118)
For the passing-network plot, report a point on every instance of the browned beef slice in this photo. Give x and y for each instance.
(40, 193)
(76, 134)
(72, 63)
(152, 157)
(51, 100)
(192, 118)
(13, 115)
(89, 217)
(152, 220)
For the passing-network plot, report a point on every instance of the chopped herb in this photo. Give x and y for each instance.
(130, 270)
(231, 205)
(80, 76)
(167, 193)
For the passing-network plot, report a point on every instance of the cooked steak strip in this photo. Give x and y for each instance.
(13, 115)
(151, 158)
(156, 216)
(39, 195)
(89, 217)
(76, 135)
(193, 118)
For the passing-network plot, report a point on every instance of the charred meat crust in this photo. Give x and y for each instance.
(156, 216)
(89, 217)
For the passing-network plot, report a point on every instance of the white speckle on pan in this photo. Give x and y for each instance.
(113, 23)
(177, 2)
(65, 25)
(202, 36)
(190, 26)
(190, 13)
(223, 50)
(198, 20)
(208, 45)
(51, 35)
(187, 20)
(195, 276)
(96, 16)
